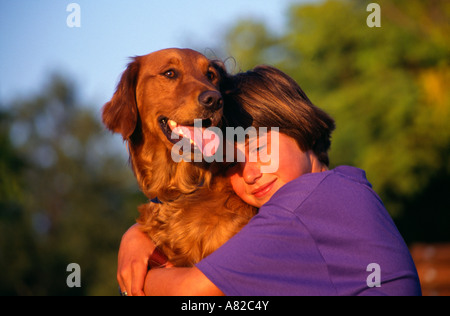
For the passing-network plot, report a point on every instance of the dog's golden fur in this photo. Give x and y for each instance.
(199, 209)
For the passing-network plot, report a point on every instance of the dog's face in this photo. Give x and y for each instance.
(164, 92)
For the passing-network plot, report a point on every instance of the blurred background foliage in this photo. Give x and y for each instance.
(67, 193)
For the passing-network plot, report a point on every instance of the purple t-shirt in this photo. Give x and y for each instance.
(323, 233)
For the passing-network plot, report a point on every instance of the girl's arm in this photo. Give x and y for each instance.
(179, 282)
(135, 251)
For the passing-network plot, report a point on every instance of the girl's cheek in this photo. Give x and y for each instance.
(235, 182)
(238, 186)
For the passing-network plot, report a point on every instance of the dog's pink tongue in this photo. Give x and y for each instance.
(206, 140)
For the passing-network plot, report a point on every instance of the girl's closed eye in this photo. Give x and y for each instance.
(256, 148)
(261, 147)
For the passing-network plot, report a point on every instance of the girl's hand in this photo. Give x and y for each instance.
(134, 253)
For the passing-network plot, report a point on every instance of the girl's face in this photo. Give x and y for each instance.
(250, 179)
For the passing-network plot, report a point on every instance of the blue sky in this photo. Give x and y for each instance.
(36, 41)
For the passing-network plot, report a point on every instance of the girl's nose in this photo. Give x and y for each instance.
(251, 172)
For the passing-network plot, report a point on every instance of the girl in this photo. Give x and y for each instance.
(318, 231)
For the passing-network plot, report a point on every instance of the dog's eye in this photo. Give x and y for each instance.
(171, 74)
(211, 75)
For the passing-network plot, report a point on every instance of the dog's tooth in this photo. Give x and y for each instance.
(172, 124)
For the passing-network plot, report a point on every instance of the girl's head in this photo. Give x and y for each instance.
(266, 97)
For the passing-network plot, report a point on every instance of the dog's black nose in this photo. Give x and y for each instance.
(212, 100)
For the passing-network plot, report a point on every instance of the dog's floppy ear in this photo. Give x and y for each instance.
(220, 67)
(225, 77)
(120, 115)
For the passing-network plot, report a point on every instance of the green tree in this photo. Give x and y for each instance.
(66, 196)
(386, 87)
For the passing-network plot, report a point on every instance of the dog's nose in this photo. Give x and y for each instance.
(212, 100)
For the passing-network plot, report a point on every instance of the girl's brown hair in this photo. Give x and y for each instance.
(267, 97)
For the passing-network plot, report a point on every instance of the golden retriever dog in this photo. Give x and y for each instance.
(197, 210)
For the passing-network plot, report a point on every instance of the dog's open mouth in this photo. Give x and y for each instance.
(198, 134)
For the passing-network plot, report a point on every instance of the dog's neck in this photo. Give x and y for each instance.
(159, 176)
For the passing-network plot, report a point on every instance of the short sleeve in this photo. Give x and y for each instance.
(273, 255)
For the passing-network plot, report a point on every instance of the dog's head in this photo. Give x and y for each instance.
(165, 92)
(159, 95)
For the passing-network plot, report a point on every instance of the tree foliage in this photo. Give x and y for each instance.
(386, 87)
(66, 196)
